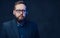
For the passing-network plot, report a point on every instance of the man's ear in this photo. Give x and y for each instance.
(13, 12)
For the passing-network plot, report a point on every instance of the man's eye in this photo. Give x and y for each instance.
(18, 10)
(21, 10)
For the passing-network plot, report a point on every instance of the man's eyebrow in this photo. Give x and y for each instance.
(21, 10)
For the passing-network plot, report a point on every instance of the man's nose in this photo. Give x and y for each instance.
(21, 12)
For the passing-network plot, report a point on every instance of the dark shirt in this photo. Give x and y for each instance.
(20, 30)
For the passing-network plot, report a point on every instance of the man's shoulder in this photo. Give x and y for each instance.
(8, 22)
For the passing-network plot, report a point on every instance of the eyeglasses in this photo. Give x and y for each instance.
(20, 11)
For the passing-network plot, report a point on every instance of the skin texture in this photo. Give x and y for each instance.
(20, 11)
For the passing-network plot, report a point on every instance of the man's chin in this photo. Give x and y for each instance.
(21, 19)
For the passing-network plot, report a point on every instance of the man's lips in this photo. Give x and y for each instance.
(21, 15)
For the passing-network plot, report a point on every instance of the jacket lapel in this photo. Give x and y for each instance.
(15, 28)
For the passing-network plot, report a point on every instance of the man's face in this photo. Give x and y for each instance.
(20, 11)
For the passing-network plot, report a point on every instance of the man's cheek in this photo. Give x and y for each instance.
(16, 15)
(24, 15)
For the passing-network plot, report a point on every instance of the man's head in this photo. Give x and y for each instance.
(20, 10)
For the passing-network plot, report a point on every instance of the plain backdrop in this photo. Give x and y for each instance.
(46, 13)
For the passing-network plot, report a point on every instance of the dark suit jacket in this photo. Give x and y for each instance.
(10, 30)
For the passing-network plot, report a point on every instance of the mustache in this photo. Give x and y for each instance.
(20, 15)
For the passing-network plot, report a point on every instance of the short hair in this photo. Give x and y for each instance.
(19, 2)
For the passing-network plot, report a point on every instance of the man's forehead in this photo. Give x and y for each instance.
(20, 6)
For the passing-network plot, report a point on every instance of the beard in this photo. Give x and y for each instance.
(20, 19)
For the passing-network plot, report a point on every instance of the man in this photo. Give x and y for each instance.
(19, 27)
